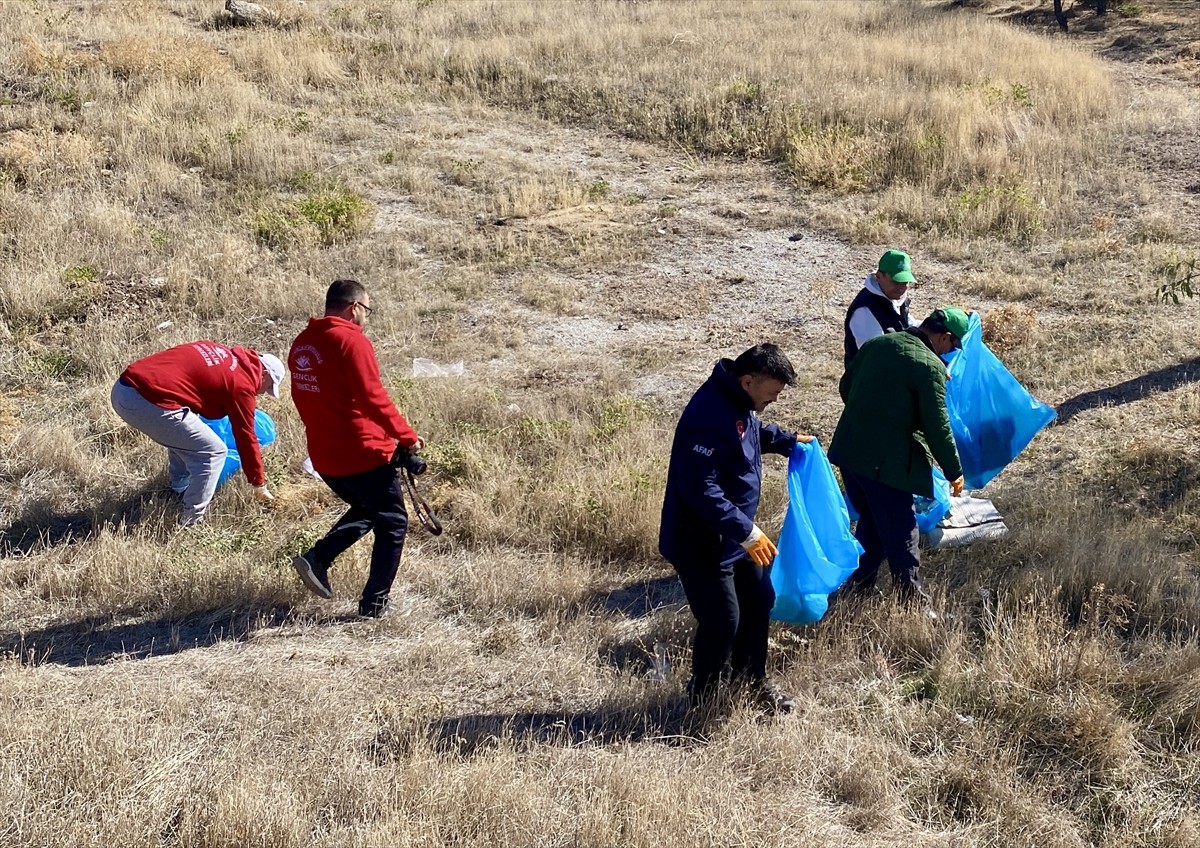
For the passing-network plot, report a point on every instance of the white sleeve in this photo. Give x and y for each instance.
(913, 322)
(863, 326)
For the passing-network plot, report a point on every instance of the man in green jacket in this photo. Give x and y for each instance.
(895, 416)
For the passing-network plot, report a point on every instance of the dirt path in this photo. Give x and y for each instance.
(723, 264)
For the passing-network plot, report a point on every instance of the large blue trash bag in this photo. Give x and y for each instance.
(816, 550)
(929, 510)
(992, 415)
(264, 428)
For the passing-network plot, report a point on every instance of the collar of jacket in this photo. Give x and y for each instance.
(728, 384)
(335, 321)
(916, 331)
(871, 284)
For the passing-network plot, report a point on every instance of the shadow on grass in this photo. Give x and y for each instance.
(664, 631)
(641, 599)
(41, 526)
(98, 639)
(667, 722)
(1162, 380)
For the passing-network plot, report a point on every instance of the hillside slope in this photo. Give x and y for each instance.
(586, 208)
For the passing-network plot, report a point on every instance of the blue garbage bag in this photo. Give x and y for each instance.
(264, 428)
(929, 510)
(992, 415)
(816, 549)
(932, 510)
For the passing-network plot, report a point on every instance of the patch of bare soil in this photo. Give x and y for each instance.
(726, 263)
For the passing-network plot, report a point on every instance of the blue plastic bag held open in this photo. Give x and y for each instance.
(992, 415)
(816, 549)
(264, 428)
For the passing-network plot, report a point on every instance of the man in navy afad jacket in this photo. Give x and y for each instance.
(708, 532)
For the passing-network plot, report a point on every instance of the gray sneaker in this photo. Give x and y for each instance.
(377, 608)
(313, 574)
(769, 698)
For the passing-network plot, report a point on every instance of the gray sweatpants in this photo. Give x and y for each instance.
(195, 454)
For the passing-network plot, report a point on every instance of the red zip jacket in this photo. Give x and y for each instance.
(211, 380)
(351, 423)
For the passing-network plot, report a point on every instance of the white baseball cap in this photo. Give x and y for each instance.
(274, 367)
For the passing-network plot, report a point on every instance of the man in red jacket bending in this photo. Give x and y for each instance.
(353, 431)
(164, 396)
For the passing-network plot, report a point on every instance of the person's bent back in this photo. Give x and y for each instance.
(163, 396)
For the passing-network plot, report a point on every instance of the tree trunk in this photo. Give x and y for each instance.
(1060, 15)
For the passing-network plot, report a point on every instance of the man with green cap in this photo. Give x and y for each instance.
(894, 418)
(882, 304)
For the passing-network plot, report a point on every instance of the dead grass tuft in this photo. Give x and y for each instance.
(49, 160)
(1158, 478)
(169, 57)
(34, 56)
(289, 64)
(1009, 327)
(510, 473)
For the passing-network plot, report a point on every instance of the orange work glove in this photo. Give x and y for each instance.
(956, 486)
(760, 547)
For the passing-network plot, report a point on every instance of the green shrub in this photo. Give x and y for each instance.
(338, 214)
(80, 274)
(326, 214)
(599, 190)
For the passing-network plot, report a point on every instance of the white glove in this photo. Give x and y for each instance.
(262, 493)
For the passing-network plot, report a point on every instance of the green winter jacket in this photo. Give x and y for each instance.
(895, 415)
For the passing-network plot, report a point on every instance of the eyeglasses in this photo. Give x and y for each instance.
(364, 306)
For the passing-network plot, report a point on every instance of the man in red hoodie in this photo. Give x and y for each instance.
(353, 431)
(165, 395)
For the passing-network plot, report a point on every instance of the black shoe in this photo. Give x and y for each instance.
(373, 609)
(768, 697)
(314, 575)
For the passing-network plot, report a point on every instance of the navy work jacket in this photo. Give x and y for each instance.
(715, 476)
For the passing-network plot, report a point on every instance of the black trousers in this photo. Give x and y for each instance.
(376, 502)
(732, 606)
(887, 529)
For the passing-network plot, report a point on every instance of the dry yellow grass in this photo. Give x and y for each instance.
(1009, 327)
(587, 203)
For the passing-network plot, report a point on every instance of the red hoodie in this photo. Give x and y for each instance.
(211, 380)
(351, 423)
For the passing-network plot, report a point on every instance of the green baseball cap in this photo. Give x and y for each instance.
(898, 265)
(952, 320)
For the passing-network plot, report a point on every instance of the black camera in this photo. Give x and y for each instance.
(409, 460)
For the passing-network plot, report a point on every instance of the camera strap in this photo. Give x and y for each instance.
(424, 511)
